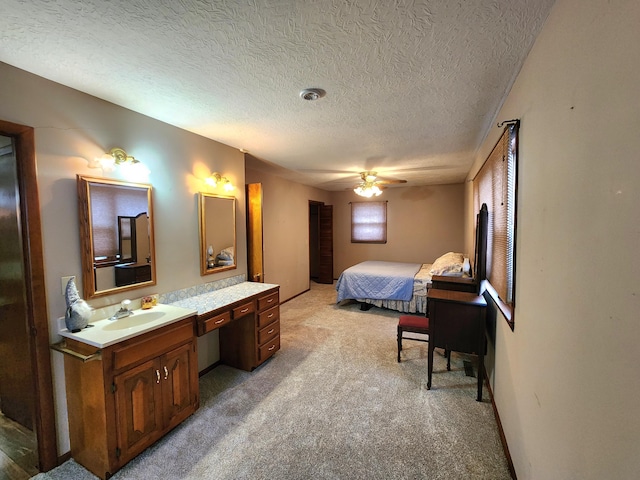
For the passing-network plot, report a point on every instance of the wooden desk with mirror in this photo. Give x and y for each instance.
(457, 322)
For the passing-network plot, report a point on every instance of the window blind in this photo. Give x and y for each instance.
(495, 185)
(369, 222)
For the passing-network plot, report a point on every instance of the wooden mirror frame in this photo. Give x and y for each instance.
(206, 215)
(87, 254)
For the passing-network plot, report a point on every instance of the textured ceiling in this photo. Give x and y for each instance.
(412, 86)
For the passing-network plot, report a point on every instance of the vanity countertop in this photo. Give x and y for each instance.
(107, 332)
(207, 302)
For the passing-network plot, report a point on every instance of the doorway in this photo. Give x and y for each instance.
(26, 390)
(320, 242)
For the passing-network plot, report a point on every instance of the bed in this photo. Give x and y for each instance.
(403, 286)
(397, 286)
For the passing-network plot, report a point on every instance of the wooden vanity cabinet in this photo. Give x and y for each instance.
(249, 329)
(134, 394)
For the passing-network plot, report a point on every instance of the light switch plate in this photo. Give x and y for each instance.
(64, 281)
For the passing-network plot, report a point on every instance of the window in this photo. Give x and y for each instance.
(368, 222)
(495, 185)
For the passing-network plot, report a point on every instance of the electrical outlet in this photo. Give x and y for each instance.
(64, 281)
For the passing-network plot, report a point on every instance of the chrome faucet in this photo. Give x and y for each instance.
(124, 310)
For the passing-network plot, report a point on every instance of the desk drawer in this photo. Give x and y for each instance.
(267, 301)
(269, 332)
(244, 309)
(271, 315)
(214, 322)
(268, 349)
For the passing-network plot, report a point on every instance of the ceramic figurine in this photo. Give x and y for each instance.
(78, 311)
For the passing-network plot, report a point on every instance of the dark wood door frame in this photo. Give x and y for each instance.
(323, 242)
(37, 319)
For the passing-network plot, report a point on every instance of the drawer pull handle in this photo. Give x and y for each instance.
(157, 376)
(166, 372)
(270, 315)
(219, 321)
(270, 300)
(270, 331)
(272, 347)
(244, 310)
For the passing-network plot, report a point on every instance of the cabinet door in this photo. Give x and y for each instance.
(179, 371)
(138, 408)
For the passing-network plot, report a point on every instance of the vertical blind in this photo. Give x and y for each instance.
(369, 222)
(495, 185)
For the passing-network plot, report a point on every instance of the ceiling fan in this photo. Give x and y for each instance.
(372, 185)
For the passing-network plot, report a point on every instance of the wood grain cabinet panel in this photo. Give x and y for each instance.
(133, 394)
(254, 323)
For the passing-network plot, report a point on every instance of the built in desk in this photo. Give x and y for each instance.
(457, 322)
(247, 316)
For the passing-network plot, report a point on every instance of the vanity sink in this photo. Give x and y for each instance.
(103, 333)
(136, 319)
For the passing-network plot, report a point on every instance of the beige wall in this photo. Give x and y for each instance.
(285, 229)
(72, 128)
(422, 224)
(566, 381)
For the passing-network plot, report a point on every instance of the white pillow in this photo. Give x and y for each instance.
(447, 264)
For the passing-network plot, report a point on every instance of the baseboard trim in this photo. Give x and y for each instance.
(209, 368)
(503, 439)
(64, 457)
(297, 295)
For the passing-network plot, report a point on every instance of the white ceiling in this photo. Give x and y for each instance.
(412, 86)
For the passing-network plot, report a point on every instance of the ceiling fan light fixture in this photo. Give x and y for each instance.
(312, 94)
(367, 190)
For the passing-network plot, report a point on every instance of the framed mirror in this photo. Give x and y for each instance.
(116, 236)
(217, 214)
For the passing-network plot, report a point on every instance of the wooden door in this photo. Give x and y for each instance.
(33, 314)
(138, 408)
(325, 242)
(179, 370)
(255, 264)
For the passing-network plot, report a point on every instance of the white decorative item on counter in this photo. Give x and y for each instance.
(78, 311)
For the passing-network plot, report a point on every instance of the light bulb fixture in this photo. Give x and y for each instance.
(367, 189)
(118, 157)
(216, 179)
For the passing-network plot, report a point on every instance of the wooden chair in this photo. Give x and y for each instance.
(416, 324)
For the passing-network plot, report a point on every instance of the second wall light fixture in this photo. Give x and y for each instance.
(216, 179)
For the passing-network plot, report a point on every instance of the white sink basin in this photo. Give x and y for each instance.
(139, 317)
(107, 332)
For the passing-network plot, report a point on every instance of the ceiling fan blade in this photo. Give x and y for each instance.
(389, 181)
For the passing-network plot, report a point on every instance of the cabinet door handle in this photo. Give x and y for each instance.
(166, 372)
(219, 321)
(272, 347)
(157, 376)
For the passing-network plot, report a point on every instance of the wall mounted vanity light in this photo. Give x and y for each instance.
(117, 157)
(216, 179)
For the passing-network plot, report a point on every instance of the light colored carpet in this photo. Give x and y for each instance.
(333, 403)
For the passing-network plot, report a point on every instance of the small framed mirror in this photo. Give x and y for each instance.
(116, 236)
(217, 214)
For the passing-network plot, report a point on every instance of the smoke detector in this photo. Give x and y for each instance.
(312, 94)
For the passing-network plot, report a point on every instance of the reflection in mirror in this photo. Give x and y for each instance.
(116, 235)
(217, 215)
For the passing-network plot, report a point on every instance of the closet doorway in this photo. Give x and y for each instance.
(26, 390)
(320, 242)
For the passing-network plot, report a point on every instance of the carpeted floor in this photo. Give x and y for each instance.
(333, 403)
